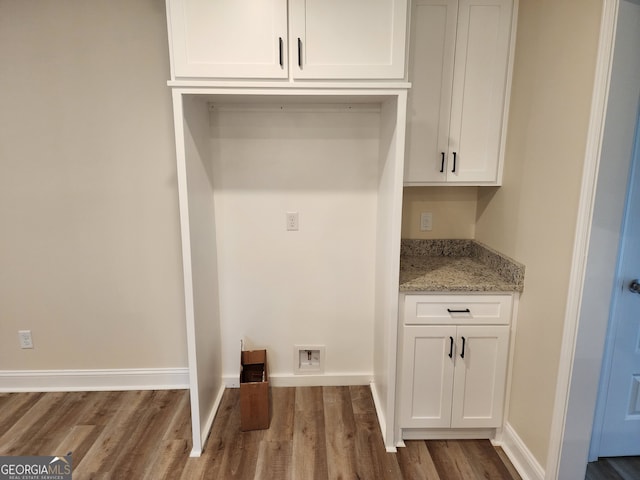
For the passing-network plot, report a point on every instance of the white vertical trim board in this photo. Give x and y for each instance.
(94, 380)
(204, 435)
(382, 422)
(512, 342)
(581, 242)
(183, 202)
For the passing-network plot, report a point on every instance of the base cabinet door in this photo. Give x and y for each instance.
(453, 376)
(427, 376)
(480, 375)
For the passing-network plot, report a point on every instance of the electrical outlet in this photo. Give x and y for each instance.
(25, 338)
(426, 221)
(292, 221)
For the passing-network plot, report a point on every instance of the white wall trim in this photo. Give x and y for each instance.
(94, 380)
(583, 231)
(381, 414)
(521, 458)
(196, 452)
(448, 434)
(289, 380)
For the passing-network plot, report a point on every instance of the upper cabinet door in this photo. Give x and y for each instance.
(348, 39)
(431, 54)
(228, 38)
(479, 89)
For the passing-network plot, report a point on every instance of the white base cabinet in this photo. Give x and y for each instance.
(453, 367)
(456, 374)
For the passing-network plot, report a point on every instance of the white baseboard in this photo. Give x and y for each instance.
(288, 380)
(520, 456)
(447, 433)
(96, 379)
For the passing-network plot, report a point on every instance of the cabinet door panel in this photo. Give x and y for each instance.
(348, 38)
(433, 32)
(479, 85)
(479, 378)
(427, 377)
(228, 38)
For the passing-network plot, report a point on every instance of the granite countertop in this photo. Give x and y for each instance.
(457, 266)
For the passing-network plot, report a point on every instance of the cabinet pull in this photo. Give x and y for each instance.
(442, 163)
(451, 347)
(299, 52)
(280, 43)
(454, 163)
(464, 341)
(466, 310)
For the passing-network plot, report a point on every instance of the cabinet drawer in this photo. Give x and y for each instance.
(457, 309)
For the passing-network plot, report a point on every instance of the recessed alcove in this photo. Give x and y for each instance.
(244, 161)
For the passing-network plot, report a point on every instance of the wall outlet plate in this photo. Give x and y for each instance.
(426, 221)
(292, 222)
(24, 336)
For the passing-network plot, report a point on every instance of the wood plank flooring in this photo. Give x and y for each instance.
(315, 433)
(614, 468)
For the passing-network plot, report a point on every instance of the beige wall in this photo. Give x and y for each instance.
(453, 209)
(90, 249)
(532, 217)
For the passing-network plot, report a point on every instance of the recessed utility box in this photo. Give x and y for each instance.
(254, 391)
(308, 359)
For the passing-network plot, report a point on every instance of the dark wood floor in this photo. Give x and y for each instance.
(615, 468)
(315, 433)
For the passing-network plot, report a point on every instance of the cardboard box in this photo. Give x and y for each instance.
(255, 412)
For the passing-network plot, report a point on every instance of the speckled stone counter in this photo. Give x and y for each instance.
(457, 266)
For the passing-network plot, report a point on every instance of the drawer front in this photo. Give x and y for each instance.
(457, 309)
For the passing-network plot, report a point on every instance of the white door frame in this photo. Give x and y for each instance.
(585, 330)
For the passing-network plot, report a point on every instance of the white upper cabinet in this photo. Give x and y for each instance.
(459, 68)
(314, 39)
